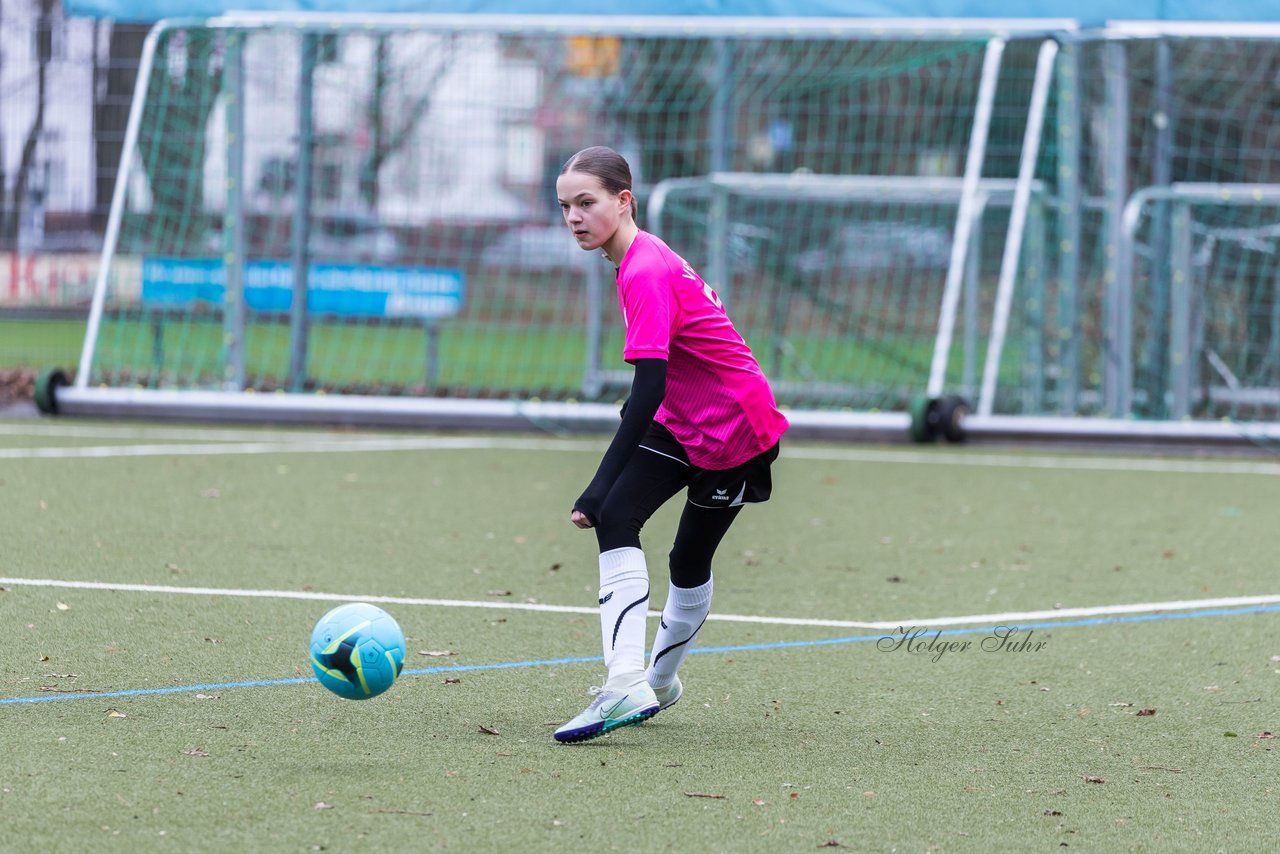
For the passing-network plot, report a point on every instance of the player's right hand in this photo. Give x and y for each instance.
(580, 519)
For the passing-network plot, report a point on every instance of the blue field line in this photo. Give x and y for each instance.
(552, 662)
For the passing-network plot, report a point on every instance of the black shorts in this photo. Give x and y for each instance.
(748, 483)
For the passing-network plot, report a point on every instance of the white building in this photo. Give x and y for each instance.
(474, 143)
(468, 110)
(63, 171)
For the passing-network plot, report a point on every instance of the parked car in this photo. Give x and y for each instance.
(334, 239)
(879, 246)
(536, 248)
(549, 248)
(353, 239)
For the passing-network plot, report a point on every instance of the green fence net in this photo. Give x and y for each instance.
(815, 178)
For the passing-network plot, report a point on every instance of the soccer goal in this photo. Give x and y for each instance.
(1163, 325)
(351, 219)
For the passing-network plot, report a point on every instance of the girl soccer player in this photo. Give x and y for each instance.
(701, 416)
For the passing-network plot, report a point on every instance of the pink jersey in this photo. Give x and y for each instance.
(718, 403)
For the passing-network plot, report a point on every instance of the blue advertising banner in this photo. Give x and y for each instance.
(345, 290)
(1087, 12)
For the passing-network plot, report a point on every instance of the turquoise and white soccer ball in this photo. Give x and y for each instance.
(357, 650)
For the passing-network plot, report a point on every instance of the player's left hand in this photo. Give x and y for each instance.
(580, 519)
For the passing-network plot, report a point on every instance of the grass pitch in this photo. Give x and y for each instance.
(1147, 730)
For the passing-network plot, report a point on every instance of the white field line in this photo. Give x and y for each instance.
(310, 444)
(1065, 463)
(294, 446)
(1007, 618)
(140, 432)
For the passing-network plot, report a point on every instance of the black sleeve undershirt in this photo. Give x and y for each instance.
(648, 388)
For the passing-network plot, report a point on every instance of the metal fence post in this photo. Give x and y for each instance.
(299, 316)
(233, 235)
(1117, 370)
(1181, 278)
(1070, 128)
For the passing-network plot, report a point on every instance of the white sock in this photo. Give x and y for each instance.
(624, 606)
(685, 611)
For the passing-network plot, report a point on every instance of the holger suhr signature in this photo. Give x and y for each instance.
(935, 644)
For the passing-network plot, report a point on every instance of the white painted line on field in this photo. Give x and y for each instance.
(1016, 617)
(214, 443)
(295, 446)
(311, 443)
(1005, 618)
(119, 451)
(1166, 465)
(309, 595)
(42, 429)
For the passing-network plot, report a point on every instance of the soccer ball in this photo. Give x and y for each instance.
(357, 650)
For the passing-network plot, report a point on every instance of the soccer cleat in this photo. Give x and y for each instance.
(612, 708)
(670, 694)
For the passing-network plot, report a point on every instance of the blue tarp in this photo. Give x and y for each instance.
(1087, 12)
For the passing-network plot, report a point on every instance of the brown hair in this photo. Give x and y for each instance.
(607, 165)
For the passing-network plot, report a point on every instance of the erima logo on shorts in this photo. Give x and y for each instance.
(721, 495)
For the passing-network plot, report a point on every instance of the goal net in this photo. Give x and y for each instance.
(365, 207)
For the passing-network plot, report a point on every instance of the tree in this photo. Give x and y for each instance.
(385, 142)
(22, 179)
(111, 111)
